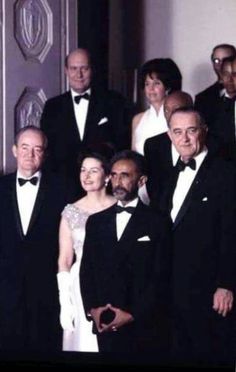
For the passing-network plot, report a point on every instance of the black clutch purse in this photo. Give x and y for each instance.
(107, 316)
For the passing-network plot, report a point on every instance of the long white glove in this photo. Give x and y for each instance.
(67, 313)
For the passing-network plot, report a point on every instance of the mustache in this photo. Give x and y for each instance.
(118, 188)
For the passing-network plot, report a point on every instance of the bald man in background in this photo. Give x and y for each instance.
(83, 116)
(161, 155)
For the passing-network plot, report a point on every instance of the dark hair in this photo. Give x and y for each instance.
(138, 159)
(31, 128)
(166, 70)
(224, 46)
(228, 60)
(189, 109)
(101, 151)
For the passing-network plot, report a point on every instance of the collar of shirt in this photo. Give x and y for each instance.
(184, 182)
(122, 219)
(175, 155)
(37, 174)
(26, 197)
(223, 92)
(74, 93)
(132, 203)
(199, 159)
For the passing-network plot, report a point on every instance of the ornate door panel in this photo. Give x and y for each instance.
(36, 35)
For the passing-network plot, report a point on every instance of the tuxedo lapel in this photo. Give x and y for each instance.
(38, 203)
(193, 191)
(92, 115)
(130, 234)
(70, 120)
(15, 208)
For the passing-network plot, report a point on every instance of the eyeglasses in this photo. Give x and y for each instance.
(217, 61)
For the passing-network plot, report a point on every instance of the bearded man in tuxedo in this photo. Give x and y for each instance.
(125, 266)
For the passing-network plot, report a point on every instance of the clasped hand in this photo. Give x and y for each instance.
(121, 318)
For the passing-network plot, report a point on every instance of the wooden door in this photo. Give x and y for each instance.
(35, 37)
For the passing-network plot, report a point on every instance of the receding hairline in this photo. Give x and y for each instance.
(224, 46)
(78, 51)
(188, 111)
(32, 130)
(181, 96)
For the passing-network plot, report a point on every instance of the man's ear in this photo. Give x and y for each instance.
(142, 180)
(14, 151)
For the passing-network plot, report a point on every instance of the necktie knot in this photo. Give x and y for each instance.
(79, 97)
(33, 180)
(182, 165)
(120, 209)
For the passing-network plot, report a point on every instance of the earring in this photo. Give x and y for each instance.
(106, 183)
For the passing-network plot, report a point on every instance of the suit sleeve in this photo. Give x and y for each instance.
(227, 253)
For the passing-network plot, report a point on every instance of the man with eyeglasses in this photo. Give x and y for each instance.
(224, 126)
(207, 101)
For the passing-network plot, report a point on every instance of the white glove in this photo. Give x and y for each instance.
(67, 313)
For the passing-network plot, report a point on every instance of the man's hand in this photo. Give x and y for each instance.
(121, 318)
(223, 301)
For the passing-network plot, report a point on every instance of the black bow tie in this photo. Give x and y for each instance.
(120, 209)
(181, 165)
(78, 98)
(33, 180)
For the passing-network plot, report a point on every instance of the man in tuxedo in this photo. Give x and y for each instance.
(124, 269)
(203, 210)
(207, 101)
(225, 125)
(31, 203)
(83, 116)
(160, 154)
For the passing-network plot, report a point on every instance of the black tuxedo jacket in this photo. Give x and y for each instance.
(59, 123)
(157, 151)
(224, 129)
(29, 308)
(131, 274)
(204, 255)
(207, 102)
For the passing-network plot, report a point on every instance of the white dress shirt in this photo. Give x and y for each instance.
(123, 218)
(184, 183)
(81, 110)
(174, 155)
(26, 196)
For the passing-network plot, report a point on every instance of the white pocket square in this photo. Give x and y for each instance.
(205, 198)
(144, 239)
(103, 121)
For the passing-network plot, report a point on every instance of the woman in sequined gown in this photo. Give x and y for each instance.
(94, 176)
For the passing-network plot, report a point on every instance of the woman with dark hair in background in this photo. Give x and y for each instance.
(94, 177)
(159, 77)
